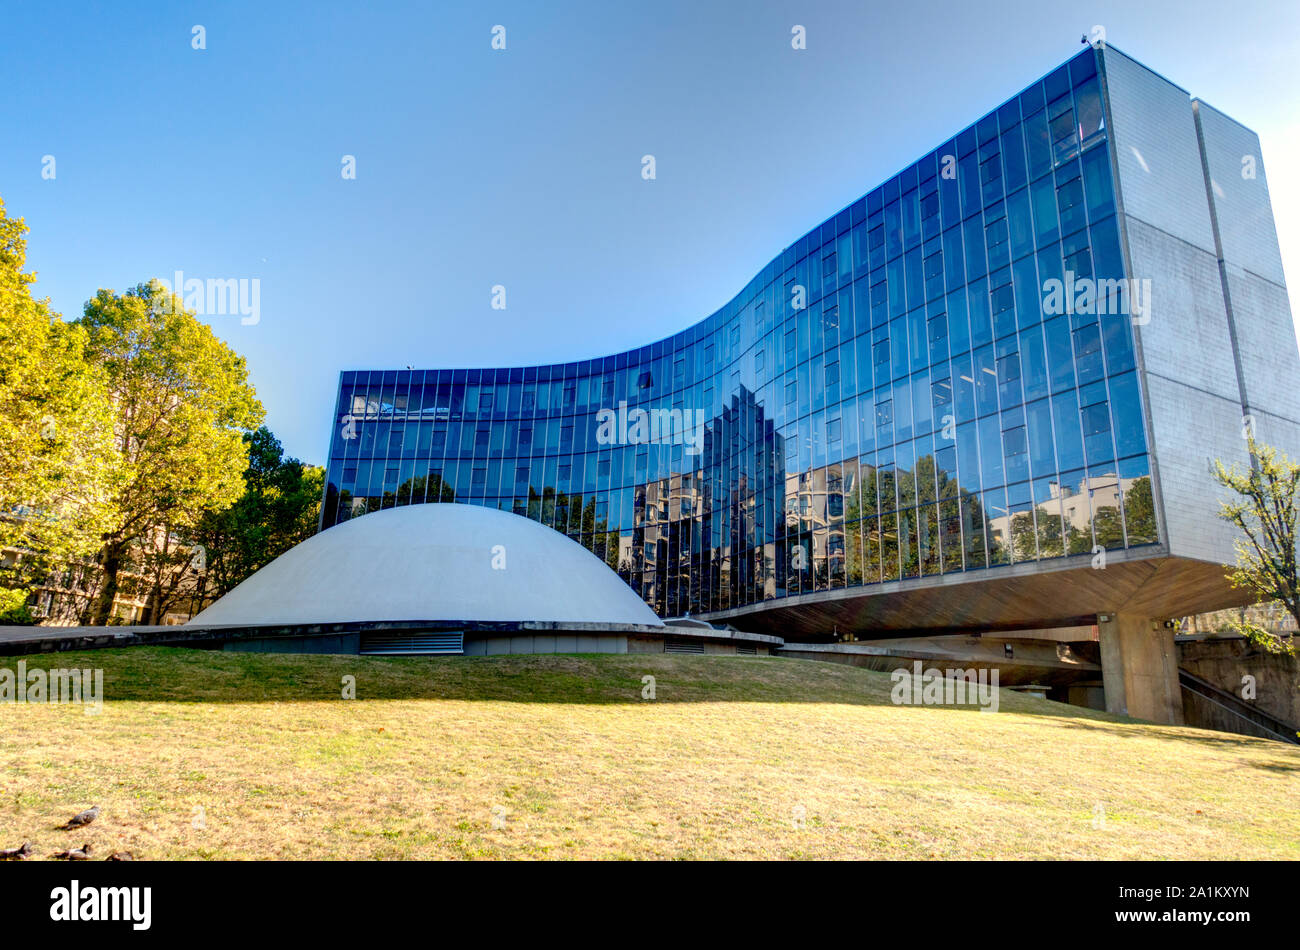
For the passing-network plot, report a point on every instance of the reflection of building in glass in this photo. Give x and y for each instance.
(707, 536)
(1078, 517)
(890, 398)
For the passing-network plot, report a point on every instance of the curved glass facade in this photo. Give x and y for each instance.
(894, 396)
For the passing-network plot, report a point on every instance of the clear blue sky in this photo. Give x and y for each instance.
(523, 167)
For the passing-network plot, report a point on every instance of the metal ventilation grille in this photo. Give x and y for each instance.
(746, 649)
(378, 644)
(683, 646)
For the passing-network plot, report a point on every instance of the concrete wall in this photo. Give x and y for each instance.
(1240, 200)
(346, 643)
(1139, 669)
(1190, 375)
(1224, 662)
(653, 644)
(1220, 343)
(1191, 429)
(1254, 286)
(1153, 133)
(545, 643)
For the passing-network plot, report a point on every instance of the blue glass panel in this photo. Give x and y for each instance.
(1042, 455)
(1029, 310)
(968, 173)
(981, 324)
(1033, 363)
(1126, 415)
(968, 457)
(1038, 145)
(1042, 195)
(990, 429)
(902, 410)
(958, 323)
(893, 230)
(1020, 223)
(953, 258)
(986, 376)
(1117, 339)
(964, 386)
(1013, 157)
(1069, 438)
(973, 233)
(1099, 194)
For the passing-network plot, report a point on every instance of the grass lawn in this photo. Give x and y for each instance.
(229, 755)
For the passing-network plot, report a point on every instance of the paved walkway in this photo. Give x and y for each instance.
(15, 640)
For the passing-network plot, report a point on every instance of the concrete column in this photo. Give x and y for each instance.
(1139, 668)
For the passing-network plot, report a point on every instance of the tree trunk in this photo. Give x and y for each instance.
(158, 605)
(110, 562)
(151, 608)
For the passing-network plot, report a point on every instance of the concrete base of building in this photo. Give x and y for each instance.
(717, 643)
(1139, 668)
(1020, 661)
(1062, 592)
(342, 643)
(414, 637)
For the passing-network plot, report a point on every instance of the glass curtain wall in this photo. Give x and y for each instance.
(896, 395)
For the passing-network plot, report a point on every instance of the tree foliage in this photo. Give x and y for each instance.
(1265, 514)
(280, 507)
(57, 475)
(181, 402)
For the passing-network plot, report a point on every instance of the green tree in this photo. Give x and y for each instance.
(279, 508)
(182, 403)
(163, 571)
(1265, 514)
(13, 608)
(56, 449)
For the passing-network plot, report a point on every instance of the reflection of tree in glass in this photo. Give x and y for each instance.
(908, 554)
(1051, 542)
(1078, 542)
(906, 487)
(928, 531)
(1140, 512)
(853, 545)
(888, 488)
(950, 533)
(889, 546)
(425, 488)
(1023, 542)
(1108, 527)
(999, 553)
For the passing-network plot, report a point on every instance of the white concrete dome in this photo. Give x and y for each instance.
(432, 562)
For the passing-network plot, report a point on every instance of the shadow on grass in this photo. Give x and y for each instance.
(1124, 728)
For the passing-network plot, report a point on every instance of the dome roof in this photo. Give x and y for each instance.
(432, 562)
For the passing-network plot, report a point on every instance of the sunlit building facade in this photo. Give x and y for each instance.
(945, 378)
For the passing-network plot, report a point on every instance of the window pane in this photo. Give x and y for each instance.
(1126, 415)
(1069, 438)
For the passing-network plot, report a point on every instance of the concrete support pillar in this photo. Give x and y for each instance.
(1139, 668)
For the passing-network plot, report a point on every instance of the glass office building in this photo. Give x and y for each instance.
(895, 397)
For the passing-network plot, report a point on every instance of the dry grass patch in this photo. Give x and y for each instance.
(227, 755)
